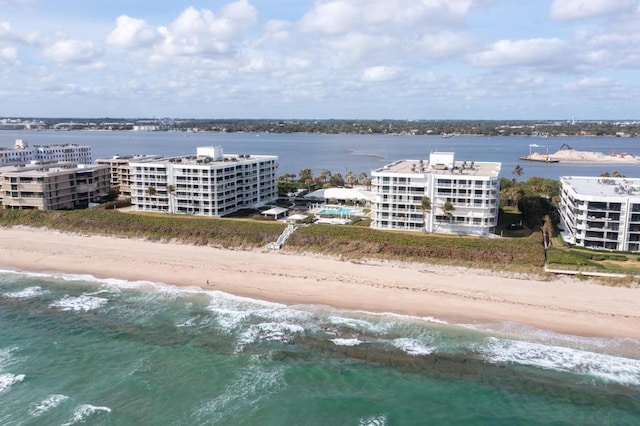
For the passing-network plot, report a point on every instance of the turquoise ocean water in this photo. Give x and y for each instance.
(77, 350)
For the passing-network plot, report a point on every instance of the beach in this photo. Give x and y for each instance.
(456, 295)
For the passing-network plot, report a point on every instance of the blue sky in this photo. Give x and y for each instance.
(354, 59)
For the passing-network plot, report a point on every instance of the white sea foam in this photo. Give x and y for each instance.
(243, 395)
(346, 342)
(434, 320)
(6, 356)
(79, 303)
(27, 293)
(83, 412)
(7, 380)
(49, 403)
(274, 332)
(606, 367)
(374, 421)
(229, 319)
(284, 314)
(413, 347)
(188, 323)
(360, 325)
(617, 345)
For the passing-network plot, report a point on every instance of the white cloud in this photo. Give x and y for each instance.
(353, 48)
(569, 10)
(339, 16)
(8, 55)
(5, 29)
(587, 83)
(73, 52)
(197, 32)
(132, 33)
(254, 66)
(546, 53)
(8, 35)
(275, 32)
(380, 73)
(445, 44)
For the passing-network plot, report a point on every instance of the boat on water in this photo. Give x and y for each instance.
(539, 157)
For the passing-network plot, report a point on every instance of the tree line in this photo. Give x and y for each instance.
(305, 179)
(388, 126)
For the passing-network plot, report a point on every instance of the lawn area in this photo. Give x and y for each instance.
(511, 224)
(560, 256)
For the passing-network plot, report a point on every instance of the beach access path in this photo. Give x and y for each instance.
(457, 295)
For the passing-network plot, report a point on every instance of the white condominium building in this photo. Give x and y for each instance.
(22, 153)
(601, 212)
(53, 186)
(463, 195)
(210, 183)
(121, 172)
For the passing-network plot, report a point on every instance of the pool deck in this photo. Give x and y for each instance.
(340, 210)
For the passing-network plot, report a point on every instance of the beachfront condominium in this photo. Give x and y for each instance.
(439, 195)
(600, 212)
(121, 172)
(22, 153)
(210, 183)
(53, 186)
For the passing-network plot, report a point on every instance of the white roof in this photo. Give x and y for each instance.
(297, 217)
(342, 194)
(275, 211)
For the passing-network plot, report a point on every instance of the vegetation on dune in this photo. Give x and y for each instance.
(356, 243)
(226, 233)
(351, 242)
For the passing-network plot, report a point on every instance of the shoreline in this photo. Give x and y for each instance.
(453, 294)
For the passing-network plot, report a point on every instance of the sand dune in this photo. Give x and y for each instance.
(456, 295)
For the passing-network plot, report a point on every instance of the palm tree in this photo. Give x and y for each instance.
(336, 180)
(365, 179)
(325, 174)
(425, 205)
(171, 189)
(151, 192)
(547, 233)
(448, 209)
(305, 174)
(350, 178)
(518, 170)
(309, 182)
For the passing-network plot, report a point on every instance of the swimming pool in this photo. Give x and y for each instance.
(339, 211)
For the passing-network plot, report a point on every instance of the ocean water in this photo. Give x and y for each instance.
(78, 350)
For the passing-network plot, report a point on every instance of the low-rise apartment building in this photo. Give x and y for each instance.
(463, 195)
(600, 212)
(210, 183)
(53, 186)
(22, 153)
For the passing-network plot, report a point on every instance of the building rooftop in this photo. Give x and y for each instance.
(213, 156)
(132, 157)
(465, 168)
(203, 160)
(604, 186)
(51, 167)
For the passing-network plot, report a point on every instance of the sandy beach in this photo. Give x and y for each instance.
(455, 295)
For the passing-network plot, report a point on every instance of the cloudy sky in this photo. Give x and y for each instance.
(404, 59)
